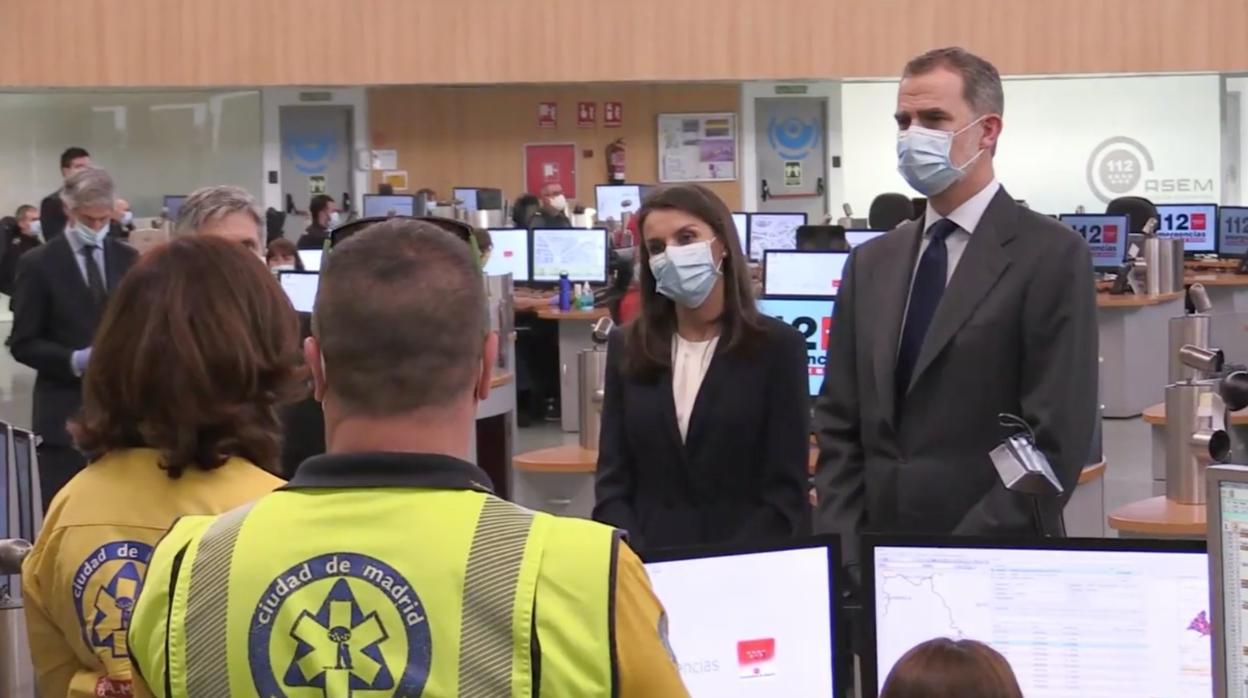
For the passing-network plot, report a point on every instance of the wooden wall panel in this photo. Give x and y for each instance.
(475, 136)
(373, 42)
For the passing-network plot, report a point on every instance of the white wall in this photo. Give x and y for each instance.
(1238, 160)
(1054, 134)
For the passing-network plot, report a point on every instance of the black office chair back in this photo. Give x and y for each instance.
(1137, 209)
(889, 211)
(274, 225)
(822, 237)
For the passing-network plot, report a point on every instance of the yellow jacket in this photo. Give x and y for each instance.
(87, 567)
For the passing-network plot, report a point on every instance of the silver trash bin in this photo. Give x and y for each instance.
(17, 678)
(592, 381)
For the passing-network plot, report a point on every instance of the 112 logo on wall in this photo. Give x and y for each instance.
(756, 658)
(1122, 166)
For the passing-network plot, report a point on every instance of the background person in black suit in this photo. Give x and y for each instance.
(20, 236)
(52, 210)
(62, 288)
(324, 214)
(706, 422)
(982, 307)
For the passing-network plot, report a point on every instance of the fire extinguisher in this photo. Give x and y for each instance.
(615, 162)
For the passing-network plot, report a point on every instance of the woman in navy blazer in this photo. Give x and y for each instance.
(706, 420)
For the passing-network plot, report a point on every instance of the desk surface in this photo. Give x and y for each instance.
(1104, 300)
(1159, 516)
(1211, 280)
(556, 314)
(560, 459)
(501, 378)
(1215, 264)
(1156, 416)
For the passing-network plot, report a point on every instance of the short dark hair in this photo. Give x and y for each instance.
(72, 153)
(650, 336)
(282, 247)
(400, 316)
(981, 83)
(196, 350)
(944, 668)
(23, 210)
(320, 202)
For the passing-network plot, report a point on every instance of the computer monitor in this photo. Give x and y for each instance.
(466, 197)
(802, 273)
(813, 319)
(1227, 528)
(752, 621)
(1074, 617)
(311, 259)
(1233, 231)
(614, 199)
(510, 254)
(742, 222)
(381, 206)
(300, 288)
(859, 237)
(772, 231)
(1106, 235)
(173, 205)
(1195, 224)
(29, 494)
(581, 252)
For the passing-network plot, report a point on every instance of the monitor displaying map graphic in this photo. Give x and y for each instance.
(580, 252)
(1094, 618)
(1227, 512)
(773, 231)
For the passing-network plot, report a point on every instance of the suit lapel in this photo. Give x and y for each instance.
(67, 267)
(894, 289)
(113, 268)
(982, 264)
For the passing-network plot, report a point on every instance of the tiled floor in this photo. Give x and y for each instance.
(1126, 442)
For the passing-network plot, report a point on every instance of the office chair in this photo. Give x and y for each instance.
(889, 211)
(822, 237)
(274, 225)
(1137, 209)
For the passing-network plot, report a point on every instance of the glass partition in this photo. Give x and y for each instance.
(154, 143)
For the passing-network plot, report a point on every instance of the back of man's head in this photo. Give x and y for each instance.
(400, 320)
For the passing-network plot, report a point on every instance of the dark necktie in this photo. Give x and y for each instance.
(95, 282)
(925, 293)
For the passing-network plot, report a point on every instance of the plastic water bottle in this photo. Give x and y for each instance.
(587, 298)
(565, 292)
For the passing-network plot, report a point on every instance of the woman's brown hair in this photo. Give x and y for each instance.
(650, 335)
(198, 347)
(944, 668)
(282, 247)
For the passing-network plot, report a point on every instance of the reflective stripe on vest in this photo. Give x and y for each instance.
(205, 604)
(486, 641)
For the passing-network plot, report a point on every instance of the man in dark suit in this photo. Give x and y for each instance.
(61, 291)
(51, 210)
(980, 308)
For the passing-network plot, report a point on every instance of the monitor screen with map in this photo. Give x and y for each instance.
(580, 252)
(1074, 617)
(773, 231)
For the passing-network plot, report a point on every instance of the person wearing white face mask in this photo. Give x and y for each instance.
(981, 308)
(705, 422)
(553, 212)
(59, 296)
(23, 236)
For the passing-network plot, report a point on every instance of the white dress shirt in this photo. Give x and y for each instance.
(76, 245)
(967, 216)
(690, 361)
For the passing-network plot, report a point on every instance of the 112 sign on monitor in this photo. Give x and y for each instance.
(813, 319)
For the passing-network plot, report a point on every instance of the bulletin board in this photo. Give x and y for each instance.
(697, 147)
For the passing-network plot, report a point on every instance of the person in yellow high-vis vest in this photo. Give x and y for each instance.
(387, 567)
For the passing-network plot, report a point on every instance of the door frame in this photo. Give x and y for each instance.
(830, 92)
(272, 99)
(524, 166)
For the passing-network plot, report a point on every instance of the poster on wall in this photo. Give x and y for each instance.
(697, 147)
(613, 114)
(547, 115)
(586, 114)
